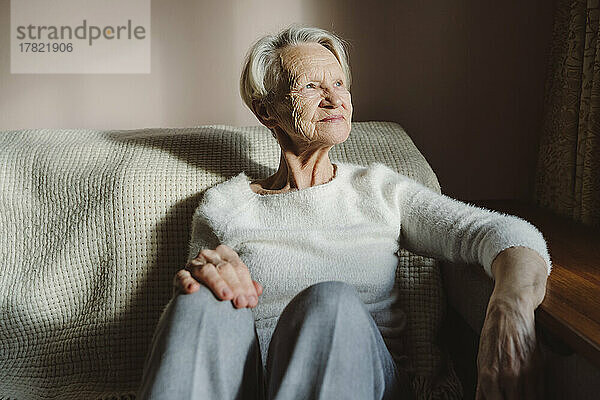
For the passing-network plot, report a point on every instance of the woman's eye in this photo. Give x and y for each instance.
(339, 84)
(310, 86)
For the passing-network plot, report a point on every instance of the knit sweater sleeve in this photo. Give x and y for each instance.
(436, 225)
(202, 235)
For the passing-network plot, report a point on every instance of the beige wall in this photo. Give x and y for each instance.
(464, 78)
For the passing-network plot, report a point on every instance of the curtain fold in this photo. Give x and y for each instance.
(568, 170)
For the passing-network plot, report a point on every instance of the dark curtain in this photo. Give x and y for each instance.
(568, 170)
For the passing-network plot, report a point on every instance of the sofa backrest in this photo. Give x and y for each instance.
(94, 224)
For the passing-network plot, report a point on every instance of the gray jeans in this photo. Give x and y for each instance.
(325, 346)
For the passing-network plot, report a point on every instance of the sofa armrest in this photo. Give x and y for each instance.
(468, 290)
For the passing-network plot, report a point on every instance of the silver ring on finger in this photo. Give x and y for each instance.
(219, 265)
(193, 264)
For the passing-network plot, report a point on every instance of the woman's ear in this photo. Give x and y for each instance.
(261, 111)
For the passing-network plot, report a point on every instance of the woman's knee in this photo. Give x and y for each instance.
(201, 299)
(203, 305)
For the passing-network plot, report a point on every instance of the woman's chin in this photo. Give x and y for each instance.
(343, 137)
(335, 134)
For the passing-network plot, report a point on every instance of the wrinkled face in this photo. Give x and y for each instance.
(317, 107)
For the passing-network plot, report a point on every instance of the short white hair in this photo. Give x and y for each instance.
(262, 74)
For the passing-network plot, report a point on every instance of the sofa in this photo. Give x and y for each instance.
(94, 224)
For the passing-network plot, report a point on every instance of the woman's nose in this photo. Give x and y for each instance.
(331, 99)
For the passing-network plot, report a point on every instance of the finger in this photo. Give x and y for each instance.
(258, 287)
(230, 256)
(229, 274)
(184, 282)
(176, 284)
(246, 282)
(511, 372)
(478, 394)
(210, 277)
(227, 253)
(178, 276)
(488, 386)
(203, 259)
(209, 256)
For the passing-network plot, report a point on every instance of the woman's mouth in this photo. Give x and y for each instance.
(333, 118)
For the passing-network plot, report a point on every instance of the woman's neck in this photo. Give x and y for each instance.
(298, 171)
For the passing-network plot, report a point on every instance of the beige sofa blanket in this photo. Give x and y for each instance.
(93, 225)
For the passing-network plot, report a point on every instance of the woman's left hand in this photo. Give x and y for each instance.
(508, 362)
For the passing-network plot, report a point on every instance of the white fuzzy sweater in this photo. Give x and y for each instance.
(349, 230)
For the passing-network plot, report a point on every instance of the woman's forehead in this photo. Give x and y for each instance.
(308, 59)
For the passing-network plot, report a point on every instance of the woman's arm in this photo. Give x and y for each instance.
(436, 225)
(201, 237)
(216, 266)
(520, 273)
(514, 253)
(508, 362)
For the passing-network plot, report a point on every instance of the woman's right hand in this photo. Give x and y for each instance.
(224, 273)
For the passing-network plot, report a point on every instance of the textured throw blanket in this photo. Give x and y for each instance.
(93, 225)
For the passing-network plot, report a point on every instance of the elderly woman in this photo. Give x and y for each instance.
(321, 238)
